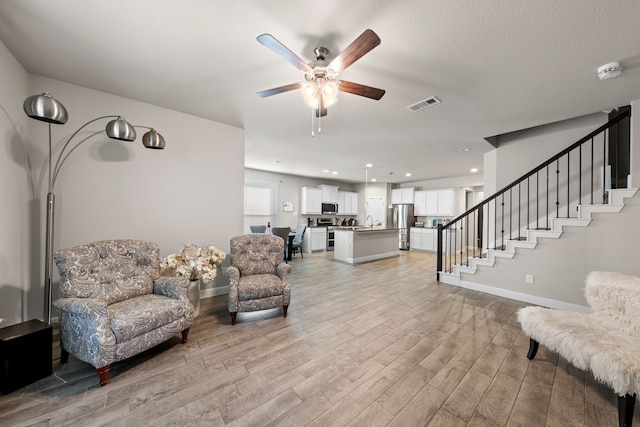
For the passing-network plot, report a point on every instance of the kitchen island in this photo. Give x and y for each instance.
(354, 245)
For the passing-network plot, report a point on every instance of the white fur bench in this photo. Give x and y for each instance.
(605, 342)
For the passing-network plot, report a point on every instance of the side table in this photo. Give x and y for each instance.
(25, 354)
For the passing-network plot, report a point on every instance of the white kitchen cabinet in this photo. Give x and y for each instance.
(310, 201)
(445, 202)
(425, 203)
(315, 239)
(329, 193)
(402, 196)
(426, 239)
(347, 203)
(422, 239)
(434, 203)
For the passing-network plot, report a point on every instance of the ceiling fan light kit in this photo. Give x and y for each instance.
(321, 86)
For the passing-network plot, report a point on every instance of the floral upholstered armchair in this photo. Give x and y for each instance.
(259, 279)
(114, 303)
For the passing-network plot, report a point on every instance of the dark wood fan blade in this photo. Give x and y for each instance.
(269, 41)
(356, 50)
(362, 90)
(277, 90)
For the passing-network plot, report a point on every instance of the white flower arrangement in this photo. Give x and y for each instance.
(195, 262)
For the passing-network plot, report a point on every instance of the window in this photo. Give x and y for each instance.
(260, 199)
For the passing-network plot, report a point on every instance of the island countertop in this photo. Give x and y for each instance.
(359, 229)
(361, 244)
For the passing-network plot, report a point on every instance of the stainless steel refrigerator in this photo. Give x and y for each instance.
(403, 218)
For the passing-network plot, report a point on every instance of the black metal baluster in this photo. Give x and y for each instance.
(519, 211)
(502, 223)
(591, 170)
(528, 204)
(568, 181)
(510, 214)
(547, 201)
(466, 235)
(475, 231)
(557, 188)
(580, 175)
(604, 167)
(537, 201)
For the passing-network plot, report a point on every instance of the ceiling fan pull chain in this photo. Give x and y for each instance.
(312, 114)
(319, 124)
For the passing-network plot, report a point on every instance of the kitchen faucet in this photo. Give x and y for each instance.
(370, 220)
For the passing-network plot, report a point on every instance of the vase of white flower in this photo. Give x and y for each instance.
(198, 264)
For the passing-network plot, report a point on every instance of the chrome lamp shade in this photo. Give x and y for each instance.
(153, 139)
(120, 129)
(45, 108)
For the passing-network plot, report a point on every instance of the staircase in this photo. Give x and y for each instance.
(564, 191)
(554, 231)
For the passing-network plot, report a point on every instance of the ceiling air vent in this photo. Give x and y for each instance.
(425, 103)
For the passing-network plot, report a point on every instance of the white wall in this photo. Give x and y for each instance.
(560, 265)
(519, 152)
(289, 191)
(15, 193)
(190, 192)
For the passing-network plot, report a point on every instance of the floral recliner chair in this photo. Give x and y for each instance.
(114, 303)
(259, 279)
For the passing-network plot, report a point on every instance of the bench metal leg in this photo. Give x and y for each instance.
(625, 409)
(533, 349)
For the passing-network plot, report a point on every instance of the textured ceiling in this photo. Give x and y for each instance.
(496, 66)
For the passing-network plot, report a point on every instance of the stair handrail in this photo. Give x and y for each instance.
(442, 227)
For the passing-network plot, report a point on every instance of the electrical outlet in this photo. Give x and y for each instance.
(528, 278)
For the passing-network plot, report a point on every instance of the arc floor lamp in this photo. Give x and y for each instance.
(46, 108)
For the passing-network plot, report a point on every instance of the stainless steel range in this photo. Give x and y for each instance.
(328, 222)
(330, 237)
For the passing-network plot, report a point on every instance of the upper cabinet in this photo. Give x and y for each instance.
(310, 201)
(434, 203)
(402, 196)
(329, 193)
(347, 203)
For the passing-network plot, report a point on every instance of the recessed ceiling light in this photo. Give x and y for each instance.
(368, 165)
(326, 170)
(334, 172)
(474, 170)
(407, 174)
(373, 180)
(465, 149)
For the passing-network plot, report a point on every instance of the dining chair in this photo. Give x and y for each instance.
(297, 241)
(258, 228)
(284, 233)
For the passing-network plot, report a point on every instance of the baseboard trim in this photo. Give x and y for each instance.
(519, 296)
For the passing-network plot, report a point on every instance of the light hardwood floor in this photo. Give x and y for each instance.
(377, 344)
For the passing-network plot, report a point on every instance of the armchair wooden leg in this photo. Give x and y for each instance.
(533, 349)
(233, 317)
(284, 309)
(64, 355)
(103, 374)
(625, 409)
(185, 334)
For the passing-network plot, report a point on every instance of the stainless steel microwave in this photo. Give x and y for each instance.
(329, 208)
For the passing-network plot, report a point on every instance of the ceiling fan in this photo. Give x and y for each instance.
(321, 86)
